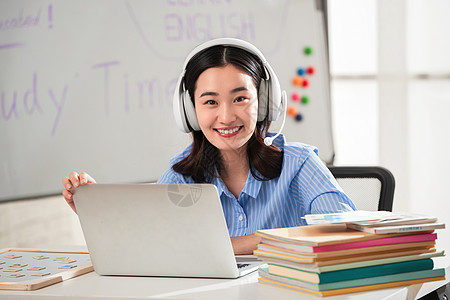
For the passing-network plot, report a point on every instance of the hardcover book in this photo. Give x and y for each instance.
(312, 267)
(434, 274)
(350, 274)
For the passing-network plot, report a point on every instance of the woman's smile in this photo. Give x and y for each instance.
(228, 131)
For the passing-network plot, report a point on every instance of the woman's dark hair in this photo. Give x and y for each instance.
(205, 159)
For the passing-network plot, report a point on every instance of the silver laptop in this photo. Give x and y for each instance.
(158, 230)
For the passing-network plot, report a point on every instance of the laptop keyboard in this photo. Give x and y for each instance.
(240, 266)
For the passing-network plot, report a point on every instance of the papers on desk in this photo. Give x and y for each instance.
(379, 222)
(331, 258)
(346, 217)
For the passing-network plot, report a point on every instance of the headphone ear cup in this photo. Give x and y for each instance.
(269, 96)
(274, 95)
(263, 100)
(178, 112)
(189, 111)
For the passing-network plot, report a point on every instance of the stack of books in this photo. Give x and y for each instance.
(332, 259)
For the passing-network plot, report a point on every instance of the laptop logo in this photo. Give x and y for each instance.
(184, 195)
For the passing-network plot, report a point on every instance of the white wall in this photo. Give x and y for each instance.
(391, 77)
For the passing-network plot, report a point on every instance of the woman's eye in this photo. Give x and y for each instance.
(240, 99)
(210, 102)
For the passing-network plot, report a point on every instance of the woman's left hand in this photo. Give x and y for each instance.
(244, 244)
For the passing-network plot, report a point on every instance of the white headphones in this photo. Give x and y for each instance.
(270, 97)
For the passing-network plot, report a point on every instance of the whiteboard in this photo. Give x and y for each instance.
(88, 85)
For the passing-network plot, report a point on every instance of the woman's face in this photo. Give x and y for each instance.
(226, 104)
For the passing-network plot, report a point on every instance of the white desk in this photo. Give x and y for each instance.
(93, 286)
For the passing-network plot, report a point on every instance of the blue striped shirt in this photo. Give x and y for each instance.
(305, 186)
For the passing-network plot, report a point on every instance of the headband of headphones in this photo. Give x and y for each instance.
(269, 93)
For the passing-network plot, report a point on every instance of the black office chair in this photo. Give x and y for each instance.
(370, 188)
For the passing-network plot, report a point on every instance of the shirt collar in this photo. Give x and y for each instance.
(252, 185)
(221, 187)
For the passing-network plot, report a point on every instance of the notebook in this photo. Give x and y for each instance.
(175, 230)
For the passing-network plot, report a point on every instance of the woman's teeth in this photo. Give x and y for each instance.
(228, 131)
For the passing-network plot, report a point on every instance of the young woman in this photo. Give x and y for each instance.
(227, 97)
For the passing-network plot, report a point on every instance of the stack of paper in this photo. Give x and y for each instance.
(331, 259)
(403, 222)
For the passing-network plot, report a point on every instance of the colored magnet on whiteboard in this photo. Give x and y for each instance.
(298, 117)
(305, 99)
(292, 111)
(308, 50)
(298, 80)
(305, 83)
(295, 97)
(301, 71)
(310, 70)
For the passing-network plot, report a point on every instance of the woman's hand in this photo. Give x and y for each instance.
(244, 244)
(72, 182)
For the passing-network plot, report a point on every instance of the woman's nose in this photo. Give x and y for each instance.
(226, 114)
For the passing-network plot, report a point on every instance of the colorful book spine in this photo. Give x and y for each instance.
(434, 273)
(380, 242)
(345, 258)
(356, 289)
(311, 267)
(350, 274)
(345, 252)
(354, 245)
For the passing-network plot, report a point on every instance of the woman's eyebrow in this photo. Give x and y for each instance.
(235, 90)
(209, 94)
(238, 89)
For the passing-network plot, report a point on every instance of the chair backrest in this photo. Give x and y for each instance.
(370, 188)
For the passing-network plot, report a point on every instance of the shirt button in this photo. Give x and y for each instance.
(241, 218)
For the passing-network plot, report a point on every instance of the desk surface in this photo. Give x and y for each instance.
(94, 286)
